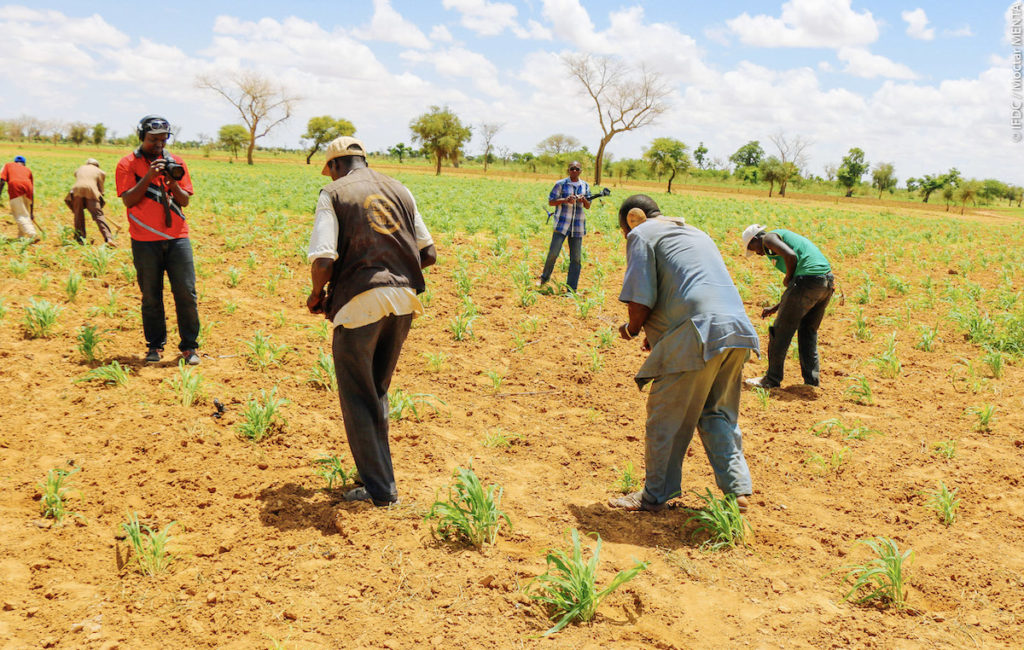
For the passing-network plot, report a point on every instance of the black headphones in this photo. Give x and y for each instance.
(143, 126)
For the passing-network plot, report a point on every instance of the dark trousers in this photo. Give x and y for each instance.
(800, 312)
(79, 204)
(174, 257)
(364, 360)
(575, 257)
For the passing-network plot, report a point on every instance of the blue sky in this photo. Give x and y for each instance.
(924, 85)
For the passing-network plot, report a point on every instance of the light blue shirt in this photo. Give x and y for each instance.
(696, 312)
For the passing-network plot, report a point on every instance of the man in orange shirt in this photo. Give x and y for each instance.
(155, 186)
(20, 189)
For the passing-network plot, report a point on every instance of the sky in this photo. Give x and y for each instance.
(922, 85)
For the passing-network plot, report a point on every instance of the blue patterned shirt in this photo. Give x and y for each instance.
(570, 219)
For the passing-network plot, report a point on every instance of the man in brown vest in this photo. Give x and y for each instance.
(368, 248)
(87, 194)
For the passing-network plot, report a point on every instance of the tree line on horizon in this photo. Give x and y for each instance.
(624, 99)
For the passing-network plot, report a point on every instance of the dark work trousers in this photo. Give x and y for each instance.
(79, 205)
(575, 257)
(800, 312)
(174, 257)
(364, 360)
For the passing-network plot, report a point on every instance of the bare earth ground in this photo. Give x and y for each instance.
(265, 556)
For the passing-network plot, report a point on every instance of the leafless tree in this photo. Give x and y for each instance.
(792, 149)
(262, 103)
(487, 131)
(504, 153)
(830, 171)
(625, 99)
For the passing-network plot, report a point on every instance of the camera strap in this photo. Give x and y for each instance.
(157, 193)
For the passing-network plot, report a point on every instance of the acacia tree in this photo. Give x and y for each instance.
(99, 132)
(667, 155)
(774, 171)
(262, 103)
(700, 154)
(323, 129)
(883, 178)
(401, 150)
(441, 133)
(487, 131)
(792, 153)
(557, 144)
(232, 137)
(851, 170)
(625, 100)
(967, 191)
(78, 132)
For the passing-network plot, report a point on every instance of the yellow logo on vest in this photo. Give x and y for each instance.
(380, 212)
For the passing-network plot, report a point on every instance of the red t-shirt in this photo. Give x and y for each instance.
(146, 219)
(19, 180)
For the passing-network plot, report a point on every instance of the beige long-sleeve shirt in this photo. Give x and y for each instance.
(88, 182)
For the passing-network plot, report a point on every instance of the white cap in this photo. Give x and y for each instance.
(749, 233)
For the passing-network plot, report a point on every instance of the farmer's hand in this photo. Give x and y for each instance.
(768, 311)
(315, 302)
(646, 347)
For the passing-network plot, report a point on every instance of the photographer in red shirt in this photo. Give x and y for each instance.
(155, 186)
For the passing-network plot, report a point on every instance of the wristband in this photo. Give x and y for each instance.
(625, 328)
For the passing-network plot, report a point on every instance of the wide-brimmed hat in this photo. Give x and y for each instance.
(343, 146)
(749, 233)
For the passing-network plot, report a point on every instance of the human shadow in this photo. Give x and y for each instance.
(293, 507)
(666, 529)
(796, 393)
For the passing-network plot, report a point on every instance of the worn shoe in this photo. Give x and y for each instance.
(190, 357)
(362, 494)
(634, 502)
(760, 382)
(153, 355)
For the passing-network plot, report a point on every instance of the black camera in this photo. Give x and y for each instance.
(173, 170)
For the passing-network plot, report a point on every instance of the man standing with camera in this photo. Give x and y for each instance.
(569, 197)
(154, 187)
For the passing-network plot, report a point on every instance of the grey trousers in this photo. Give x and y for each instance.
(364, 360)
(707, 400)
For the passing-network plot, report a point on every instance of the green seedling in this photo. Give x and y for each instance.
(110, 309)
(72, 285)
(861, 330)
(984, 415)
(323, 375)
(832, 464)
(260, 416)
(881, 578)
(188, 384)
(331, 469)
(888, 362)
(496, 379)
(234, 276)
(994, 361)
(471, 513)
(230, 307)
(527, 296)
(929, 338)
(462, 327)
(859, 390)
(40, 318)
(763, 397)
(112, 373)
(97, 259)
(149, 548)
(89, 339)
(595, 358)
(435, 360)
(606, 337)
(627, 479)
(945, 449)
(721, 521)
(128, 273)
(18, 268)
(263, 353)
(55, 492)
(569, 585)
(402, 404)
(501, 439)
(944, 502)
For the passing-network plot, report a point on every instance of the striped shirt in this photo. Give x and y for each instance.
(570, 218)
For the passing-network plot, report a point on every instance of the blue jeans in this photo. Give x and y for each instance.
(707, 400)
(575, 256)
(801, 309)
(152, 259)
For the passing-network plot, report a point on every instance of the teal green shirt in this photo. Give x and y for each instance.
(809, 260)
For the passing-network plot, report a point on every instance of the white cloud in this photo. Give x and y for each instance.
(807, 23)
(861, 63)
(440, 34)
(483, 17)
(960, 32)
(389, 26)
(917, 25)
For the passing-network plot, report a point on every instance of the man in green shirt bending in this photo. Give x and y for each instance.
(809, 287)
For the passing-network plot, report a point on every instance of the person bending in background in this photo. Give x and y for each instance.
(679, 292)
(809, 286)
(87, 194)
(569, 197)
(21, 192)
(368, 248)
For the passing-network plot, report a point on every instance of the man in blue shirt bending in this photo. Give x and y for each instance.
(679, 292)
